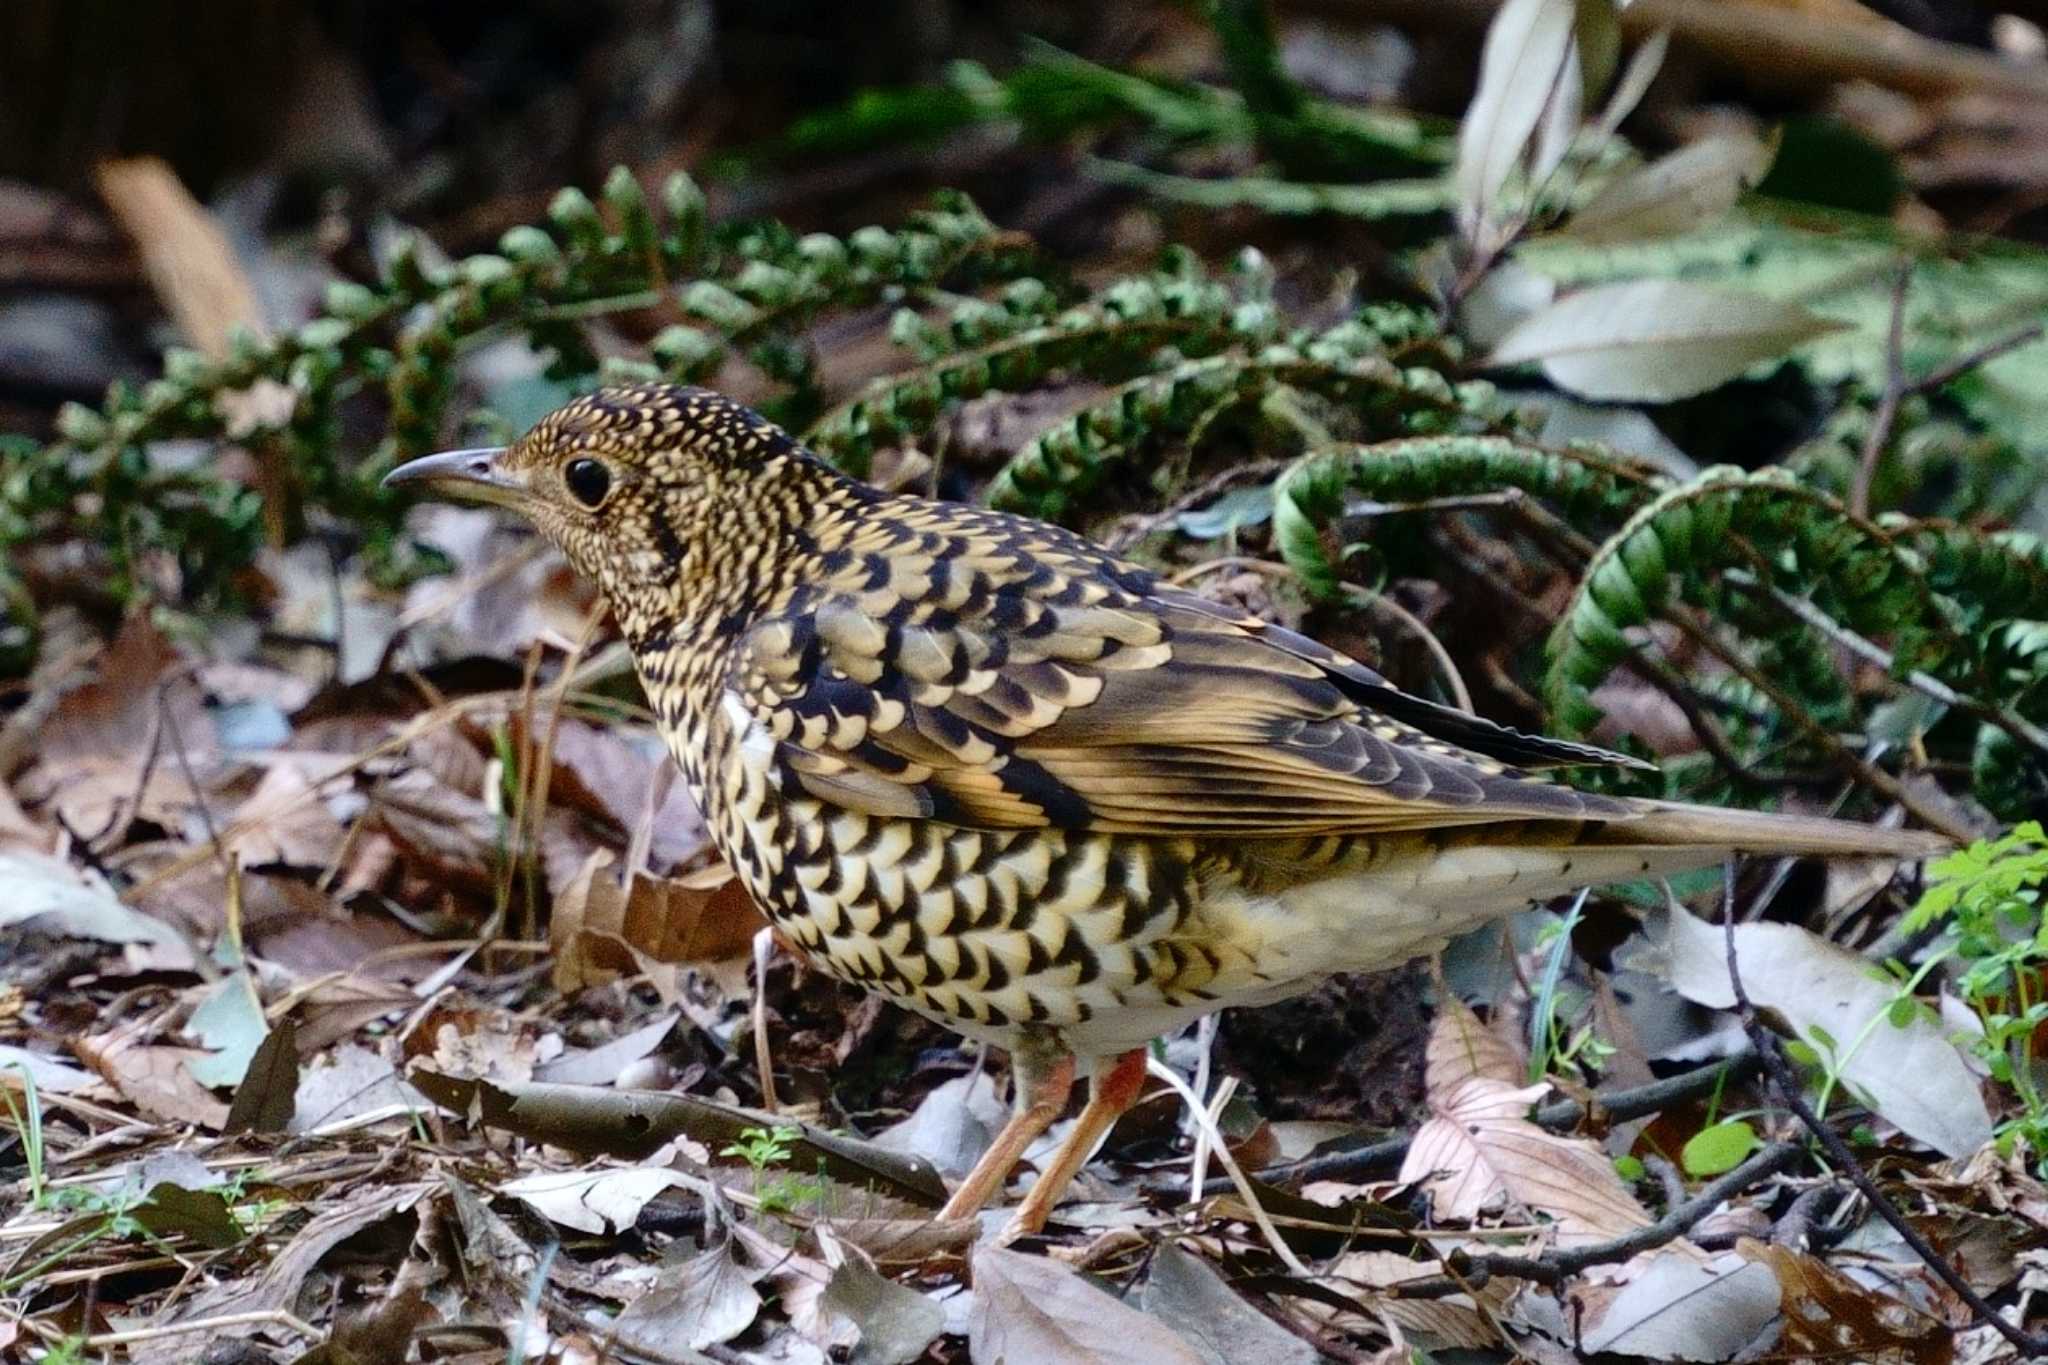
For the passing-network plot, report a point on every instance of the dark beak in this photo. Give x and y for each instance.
(473, 475)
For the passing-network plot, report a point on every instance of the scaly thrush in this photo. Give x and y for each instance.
(1023, 787)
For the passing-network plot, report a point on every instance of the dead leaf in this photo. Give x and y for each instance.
(345, 1082)
(1828, 1316)
(45, 892)
(1028, 1308)
(479, 1041)
(705, 1301)
(605, 1201)
(228, 1021)
(1213, 1317)
(1676, 193)
(633, 1123)
(1479, 1145)
(1653, 341)
(1673, 1304)
(1913, 1076)
(1524, 58)
(601, 931)
(1449, 1323)
(201, 1215)
(277, 1286)
(952, 1126)
(296, 814)
(895, 1325)
(108, 752)
(266, 1099)
(155, 1079)
(604, 1065)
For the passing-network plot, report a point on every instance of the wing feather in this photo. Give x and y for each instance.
(1046, 684)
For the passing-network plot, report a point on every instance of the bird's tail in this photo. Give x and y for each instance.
(1674, 824)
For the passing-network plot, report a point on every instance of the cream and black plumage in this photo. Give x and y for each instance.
(1023, 787)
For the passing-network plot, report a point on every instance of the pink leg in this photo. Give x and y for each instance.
(1114, 1090)
(1043, 1084)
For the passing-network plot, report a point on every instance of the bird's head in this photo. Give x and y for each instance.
(645, 488)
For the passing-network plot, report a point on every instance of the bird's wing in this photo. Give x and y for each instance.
(1043, 698)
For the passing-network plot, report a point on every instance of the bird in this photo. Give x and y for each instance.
(1029, 789)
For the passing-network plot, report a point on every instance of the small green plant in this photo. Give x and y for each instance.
(28, 1122)
(1989, 898)
(69, 1351)
(766, 1148)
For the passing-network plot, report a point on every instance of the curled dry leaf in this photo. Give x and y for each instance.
(1912, 1075)
(1479, 1145)
(602, 930)
(1654, 341)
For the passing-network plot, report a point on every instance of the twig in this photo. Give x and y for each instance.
(1942, 375)
(1780, 1073)
(1454, 681)
(1470, 1270)
(1243, 1186)
(269, 1317)
(2021, 729)
(1379, 1157)
(1888, 403)
(1139, 528)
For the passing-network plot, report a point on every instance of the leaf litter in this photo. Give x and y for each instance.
(350, 1045)
(385, 1002)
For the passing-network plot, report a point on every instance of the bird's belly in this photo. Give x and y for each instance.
(1107, 941)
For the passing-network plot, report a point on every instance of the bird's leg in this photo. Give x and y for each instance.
(1044, 1080)
(1113, 1090)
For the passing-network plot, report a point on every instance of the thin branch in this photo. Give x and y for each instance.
(1780, 1072)
(1888, 403)
(2020, 728)
(1379, 1157)
(1470, 1270)
(1942, 375)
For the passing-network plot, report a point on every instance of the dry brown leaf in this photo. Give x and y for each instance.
(601, 930)
(1462, 1048)
(154, 1078)
(1478, 1146)
(1453, 1322)
(1828, 1316)
(106, 754)
(1028, 1308)
(479, 1042)
(296, 814)
(277, 1288)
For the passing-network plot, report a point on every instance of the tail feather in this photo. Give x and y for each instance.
(1676, 824)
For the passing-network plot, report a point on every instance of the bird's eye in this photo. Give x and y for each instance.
(588, 481)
